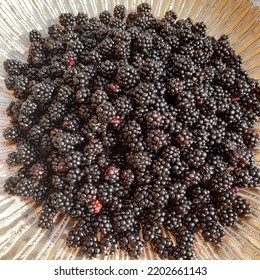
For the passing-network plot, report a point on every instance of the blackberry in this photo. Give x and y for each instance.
(227, 216)
(124, 221)
(109, 244)
(200, 195)
(207, 214)
(119, 11)
(127, 77)
(76, 235)
(67, 20)
(27, 153)
(46, 219)
(222, 182)
(196, 158)
(91, 247)
(81, 19)
(172, 222)
(184, 139)
(42, 93)
(105, 17)
(213, 233)
(13, 67)
(12, 134)
(61, 202)
(192, 222)
(226, 198)
(182, 252)
(64, 94)
(98, 97)
(106, 111)
(241, 207)
(151, 70)
(251, 139)
(123, 106)
(157, 139)
(144, 94)
(163, 246)
(104, 224)
(13, 159)
(184, 237)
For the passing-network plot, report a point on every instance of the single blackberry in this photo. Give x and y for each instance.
(106, 112)
(124, 221)
(27, 153)
(10, 184)
(184, 237)
(151, 70)
(222, 182)
(180, 168)
(74, 176)
(13, 67)
(172, 221)
(25, 188)
(200, 195)
(196, 158)
(67, 20)
(109, 244)
(184, 139)
(213, 233)
(182, 252)
(81, 19)
(143, 196)
(223, 198)
(57, 111)
(98, 97)
(241, 207)
(227, 216)
(105, 17)
(251, 138)
(76, 235)
(191, 177)
(119, 11)
(62, 202)
(13, 159)
(123, 106)
(127, 77)
(55, 31)
(46, 218)
(207, 214)
(64, 94)
(163, 246)
(192, 222)
(42, 93)
(104, 224)
(91, 247)
(156, 139)
(12, 134)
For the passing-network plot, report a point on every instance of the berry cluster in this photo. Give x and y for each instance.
(130, 124)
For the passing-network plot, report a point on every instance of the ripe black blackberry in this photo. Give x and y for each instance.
(12, 134)
(163, 246)
(127, 77)
(156, 139)
(207, 214)
(222, 182)
(172, 221)
(124, 221)
(119, 11)
(109, 244)
(91, 247)
(227, 216)
(182, 252)
(213, 233)
(200, 195)
(241, 207)
(105, 17)
(13, 67)
(13, 159)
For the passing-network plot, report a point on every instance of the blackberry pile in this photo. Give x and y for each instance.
(131, 124)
